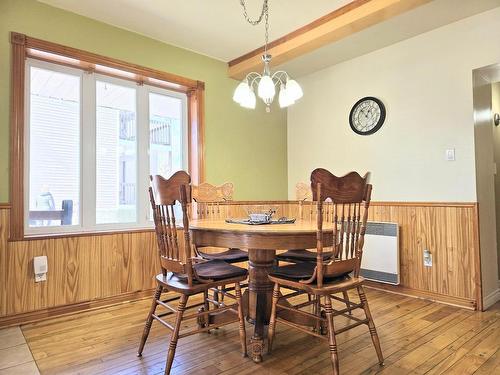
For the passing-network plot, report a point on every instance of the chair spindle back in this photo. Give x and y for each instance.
(303, 195)
(164, 193)
(210, 200)
(348, 212)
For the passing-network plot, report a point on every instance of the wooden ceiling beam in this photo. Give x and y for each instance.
(345, 21)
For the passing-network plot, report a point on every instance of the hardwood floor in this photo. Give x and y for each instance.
(417, 337)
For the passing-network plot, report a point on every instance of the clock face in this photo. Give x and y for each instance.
(367, 116)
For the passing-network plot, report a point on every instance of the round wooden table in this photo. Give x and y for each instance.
(261, 241)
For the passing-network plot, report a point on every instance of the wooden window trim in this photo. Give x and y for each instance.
(24, 46)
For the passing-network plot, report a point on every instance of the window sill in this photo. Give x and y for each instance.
(39, 236)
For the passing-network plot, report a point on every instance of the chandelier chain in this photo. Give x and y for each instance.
(264, 14)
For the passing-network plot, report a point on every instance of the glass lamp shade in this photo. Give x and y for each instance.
(266, 90)
(242, 92)
(284, 97)
(294, 90)
(249, 101)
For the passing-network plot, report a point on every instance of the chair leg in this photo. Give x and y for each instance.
(272, 321)
(346, 298)
(149, 320)
(203, 320)
(241, 317)
(175, 333)
(206, 305)
(331, 335)
(371, 325)
(216, 296)
(317, 312)
(223, 290)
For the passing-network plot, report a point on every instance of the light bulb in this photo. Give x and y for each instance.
(242, 91)
(266, 89)
(284, 97)
(249, 101)
(294, 90)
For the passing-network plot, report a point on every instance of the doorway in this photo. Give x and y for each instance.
(486, 101)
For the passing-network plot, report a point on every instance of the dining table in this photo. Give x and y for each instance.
(262, 242)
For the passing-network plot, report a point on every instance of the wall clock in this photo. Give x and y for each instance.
(367, 116)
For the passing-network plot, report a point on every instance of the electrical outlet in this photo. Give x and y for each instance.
(427, 258)
(40, 268)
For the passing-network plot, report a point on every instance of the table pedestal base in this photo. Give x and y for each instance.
(257, 302)
(260, 290)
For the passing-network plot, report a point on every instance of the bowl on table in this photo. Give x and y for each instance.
(261, 213)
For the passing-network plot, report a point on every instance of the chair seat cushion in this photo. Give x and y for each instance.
(298, 271)
(301, 271)
(302, 255)
(218, 270)
(229, 255)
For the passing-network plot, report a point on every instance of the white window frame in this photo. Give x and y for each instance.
(87, 212)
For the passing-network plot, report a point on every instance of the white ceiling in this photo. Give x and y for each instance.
(217, 28)
(214, 28)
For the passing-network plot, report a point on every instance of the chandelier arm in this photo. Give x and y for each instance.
(252, 75)
(281, 76)
(257, 76)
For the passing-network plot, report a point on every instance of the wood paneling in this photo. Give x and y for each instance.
(341, 23)
(80, 268)
(449, 233)
(91, 268)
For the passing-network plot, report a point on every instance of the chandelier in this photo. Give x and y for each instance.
(266, 83)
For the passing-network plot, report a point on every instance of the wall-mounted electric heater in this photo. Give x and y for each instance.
(380, 260)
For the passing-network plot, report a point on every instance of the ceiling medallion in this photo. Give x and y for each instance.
(266, 83)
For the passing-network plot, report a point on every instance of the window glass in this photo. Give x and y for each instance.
(54, 148)
(165, 134)
(165, 138)
(116, 153)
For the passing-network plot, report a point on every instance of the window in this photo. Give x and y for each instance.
(91, 143)
(59, 156)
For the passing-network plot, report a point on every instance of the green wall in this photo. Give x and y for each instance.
(243, 146)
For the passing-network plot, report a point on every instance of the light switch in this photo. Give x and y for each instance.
(450, 154)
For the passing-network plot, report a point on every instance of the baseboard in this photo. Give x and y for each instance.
(57, 311)
(423, 294)
(492, 298)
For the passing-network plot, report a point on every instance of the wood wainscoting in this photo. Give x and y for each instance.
(89, 271)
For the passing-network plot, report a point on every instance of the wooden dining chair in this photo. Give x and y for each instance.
(210, 204)
(183, 274)
(350, 197)
(307, 211)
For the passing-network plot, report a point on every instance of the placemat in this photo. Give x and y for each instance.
(282, 220)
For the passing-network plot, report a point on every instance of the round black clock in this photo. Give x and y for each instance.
(367, 116)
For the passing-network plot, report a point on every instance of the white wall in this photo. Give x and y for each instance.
(426, 85)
